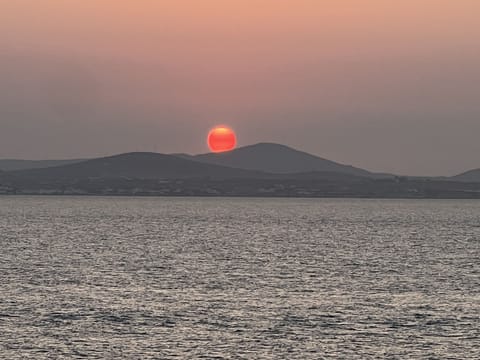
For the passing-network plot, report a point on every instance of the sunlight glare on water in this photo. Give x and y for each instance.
(109, 278)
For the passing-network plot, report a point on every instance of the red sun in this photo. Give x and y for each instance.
(221, 138)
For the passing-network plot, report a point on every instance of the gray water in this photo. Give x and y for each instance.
(162, 278)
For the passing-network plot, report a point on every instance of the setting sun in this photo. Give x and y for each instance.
(221, 138)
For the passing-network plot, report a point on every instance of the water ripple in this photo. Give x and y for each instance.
(136, 278)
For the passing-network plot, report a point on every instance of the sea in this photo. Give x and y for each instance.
(238, 278)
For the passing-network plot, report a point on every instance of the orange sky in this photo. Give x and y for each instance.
(340, 78)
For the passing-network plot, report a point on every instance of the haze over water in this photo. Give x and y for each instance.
(238, 278)
(389, 86)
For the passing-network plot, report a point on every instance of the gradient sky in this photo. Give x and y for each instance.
(385, 85)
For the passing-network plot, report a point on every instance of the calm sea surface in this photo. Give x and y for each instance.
(164, 278)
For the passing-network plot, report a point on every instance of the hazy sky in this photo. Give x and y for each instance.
(385, 85)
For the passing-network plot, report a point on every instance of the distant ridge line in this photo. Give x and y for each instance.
(266, 157)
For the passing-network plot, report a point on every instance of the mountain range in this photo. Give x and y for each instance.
(261, 169)
(139, 165)
(12, 164)
(277, 159)
(264, 157)
(469, 176)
